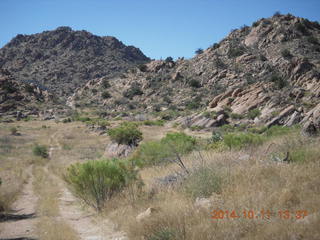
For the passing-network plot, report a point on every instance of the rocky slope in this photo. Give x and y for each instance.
(20, 99)
(264, 74)
(63, 59)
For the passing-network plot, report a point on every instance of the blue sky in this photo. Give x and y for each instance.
(159, 28)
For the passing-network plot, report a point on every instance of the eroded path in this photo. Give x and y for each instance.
(21, 221)
(47, 210)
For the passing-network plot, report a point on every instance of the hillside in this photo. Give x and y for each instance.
(63, 59)
(266, 68)
(22, 99)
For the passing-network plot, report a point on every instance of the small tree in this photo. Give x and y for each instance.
(169, 59)
(199, 51)
(105, 95)
(95, 182)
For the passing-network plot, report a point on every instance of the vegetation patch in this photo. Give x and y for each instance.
(127, 133)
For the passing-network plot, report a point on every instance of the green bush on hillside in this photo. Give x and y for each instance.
(172, 146)
(41, 151)
(127, 133)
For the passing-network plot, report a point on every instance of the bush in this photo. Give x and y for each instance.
(161, 152)
(97, 181)
(194, 83)
(236, 116)
(133, 91)
(169, 59)
(253, 113)
(278, 81)
(154, 123)
(202, 183)
(240, 140)
(127, 133)
(105, 83)
(13, 131)
(143, 68)
(286, 53)
(41, 151)
(312, 40)
(105, 95)
(301, 28)
(199, 51)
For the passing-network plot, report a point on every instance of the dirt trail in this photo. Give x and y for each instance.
(22, 220)
(86, 224)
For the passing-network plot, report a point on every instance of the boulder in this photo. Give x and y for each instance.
(114, 150)
(146, 214)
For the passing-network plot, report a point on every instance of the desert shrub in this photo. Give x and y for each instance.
(170, 147)
(162, 234)
(13, 131)
(67, 120)
(194, 83)
(202, 182)
(299, 26)
(105, 95)
(211, 115)
(236, 52)
(215, 45)
(105, 83)
(181, 142)
(255, 24)
(236, 116)
(262, 58)
(169, 59)
(285, 53)
(159, 122)
(127, 133)
(169, 114)
(41, 151)
(277, 14)
(199, 51)
(143, 67)
(133, 91)
(95, 182)
(312, 39)
(275, 131)
(29, 88)
(253, 113)
(278, 81)
(240, 140)
(196, 128)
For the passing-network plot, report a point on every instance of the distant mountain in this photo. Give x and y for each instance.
(267, 73)
(63, 59)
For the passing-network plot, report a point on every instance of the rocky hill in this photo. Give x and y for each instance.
(63, 59)
(267, 73)
(19, 99)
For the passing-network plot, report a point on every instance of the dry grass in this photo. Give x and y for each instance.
(252, 181)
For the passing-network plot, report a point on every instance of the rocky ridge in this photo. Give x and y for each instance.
(63, 59)
(264, 74)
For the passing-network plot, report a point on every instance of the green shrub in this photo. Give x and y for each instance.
(253, 113)
(275, 131)
(313, 40)
(127, 133)
(194, 83)
(278, 81)
(240, 140)
(202, 183)
(299, 26)
(162, 234)
(236, 116)
(105, 95)
(199, 51)
(169, 59)
(41, 151)
(105, 83)
(170, 147)
(285, 53)
(133, 91)
(154, 122)
(95, 182)
(13, 131)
